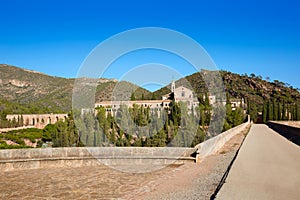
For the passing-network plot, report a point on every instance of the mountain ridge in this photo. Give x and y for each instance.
(27, 91)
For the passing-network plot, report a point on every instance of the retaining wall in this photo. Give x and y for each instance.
(290, 132)
(212, 145)
(117, 157)
(155, 157)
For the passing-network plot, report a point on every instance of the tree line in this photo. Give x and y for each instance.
(140, 126)
(280, 110)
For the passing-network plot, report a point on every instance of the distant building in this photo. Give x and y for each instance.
(154, 105)
(85, 111)
(237, 103)
(37, 120)
(213, 99)
(179, 94)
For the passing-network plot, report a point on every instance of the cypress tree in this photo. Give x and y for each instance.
(297, 114)
(279, 111)
(264, 113)
(275, 112)
(283, 111)
(270, 111)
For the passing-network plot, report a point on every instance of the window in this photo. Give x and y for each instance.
(182, 93)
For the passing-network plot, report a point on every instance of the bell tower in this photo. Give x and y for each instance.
(173, 86)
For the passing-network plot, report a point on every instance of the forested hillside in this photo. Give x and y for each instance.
(260, 95)
(24, 91)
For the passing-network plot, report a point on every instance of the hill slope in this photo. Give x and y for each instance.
(33, 91)
(25, 91)
(260, 95)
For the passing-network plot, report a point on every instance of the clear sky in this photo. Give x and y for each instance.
(55, 36)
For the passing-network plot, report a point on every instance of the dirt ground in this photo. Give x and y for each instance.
(101, 182)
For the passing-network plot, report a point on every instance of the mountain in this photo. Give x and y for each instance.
(258, 90)
(277, 100)
(30, 91)
(251, 87)
(26, 91)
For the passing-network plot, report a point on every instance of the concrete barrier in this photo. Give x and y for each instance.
(155, 157)
(212, 145)
(290, 132)
(16, 159)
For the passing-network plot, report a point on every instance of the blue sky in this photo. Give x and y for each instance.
(54, 37)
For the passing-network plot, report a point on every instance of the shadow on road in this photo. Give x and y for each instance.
(289, 132)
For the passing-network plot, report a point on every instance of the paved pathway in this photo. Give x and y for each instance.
(267, 167)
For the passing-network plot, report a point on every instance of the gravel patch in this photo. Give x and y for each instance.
(203, 178)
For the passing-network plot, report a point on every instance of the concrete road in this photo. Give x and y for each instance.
(267, 167)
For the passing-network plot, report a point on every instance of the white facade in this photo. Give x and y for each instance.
(154, 105)
(237, 103)
(180, 94)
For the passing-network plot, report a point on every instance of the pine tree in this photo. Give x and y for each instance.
(132, 97)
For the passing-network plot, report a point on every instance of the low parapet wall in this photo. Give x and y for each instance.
(212, 145)
(116, 157)
(290, 132)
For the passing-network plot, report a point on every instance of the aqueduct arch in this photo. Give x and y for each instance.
(37, 120)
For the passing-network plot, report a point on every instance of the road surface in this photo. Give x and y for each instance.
(267, 167)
